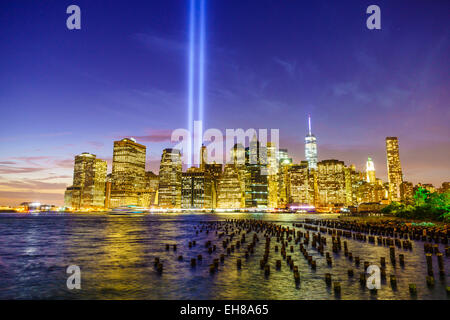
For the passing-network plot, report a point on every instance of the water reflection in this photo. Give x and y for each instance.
(116, 254)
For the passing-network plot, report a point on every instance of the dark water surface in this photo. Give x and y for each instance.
(116, 254)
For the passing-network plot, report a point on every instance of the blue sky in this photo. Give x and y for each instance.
(268, 64)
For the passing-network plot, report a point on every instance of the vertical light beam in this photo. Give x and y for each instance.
(191, 78)
(201, 72)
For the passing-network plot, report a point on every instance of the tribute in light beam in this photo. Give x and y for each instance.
(201, 75)
(191, 78)
(196, 91)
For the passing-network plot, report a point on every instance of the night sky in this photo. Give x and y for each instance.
(268, 65)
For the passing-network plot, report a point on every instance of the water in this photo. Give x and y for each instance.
(116, 254)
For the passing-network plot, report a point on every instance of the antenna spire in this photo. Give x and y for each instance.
(309, 124)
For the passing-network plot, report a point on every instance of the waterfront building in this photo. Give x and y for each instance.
(272, 178)
(407, 192)
(238, 160)
(350, 185)
(331, 183)
(128, 172)
(203, 157)
(88, 189)
(148, 195)
(284, 162)
(215, 171)
(170, 174)
(256, 185)
(256, 194)
(108, 190)
(370, 193)
(68, 197)
(300, 184)
(238, 154)
(370, 171)
(229, 192)
(394, 168)
(196, 189)
(311, 147)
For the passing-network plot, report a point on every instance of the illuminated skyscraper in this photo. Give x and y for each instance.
(148, 195)
(196, 189)
(229, 192)
(300, 185)
(203, 157)
(169, 190)
(407, 192)
(89, 176)
(283, 157)
(128, 172)
(256, 192)
(331, 183)
(370, 171)
(238, 158)
(394, 168)
(284, 162)
(311, 147)
(272, 172)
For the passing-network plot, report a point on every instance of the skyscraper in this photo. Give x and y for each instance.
(370, 171)
(311, 147)
(394, 168)
(128, 172)
(196, 189)
(256, 188)
(203, 157)
(300, 185)
(272, 172)
(89, 177)
(170, 171)
(331, 183)
(229, 191)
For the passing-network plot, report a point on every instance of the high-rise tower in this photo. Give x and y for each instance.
(370, 171)
(89, 177)
(169, 192)
(311, 147)
(394, 168)
(128, 172)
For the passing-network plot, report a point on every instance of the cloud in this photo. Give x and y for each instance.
(30, 185)
(350, 89)
(155, 43)
(289, 66)
(96, 144)
(155, 136)
(40, 135)
(15, 170)
(65, 163)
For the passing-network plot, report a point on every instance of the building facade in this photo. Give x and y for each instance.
(128, 172)
(311, 147)
(331, 183)
(394, 168)
(229, 192)
(170, 174)
(88, 190)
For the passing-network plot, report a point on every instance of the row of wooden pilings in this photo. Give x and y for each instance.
(284, 236)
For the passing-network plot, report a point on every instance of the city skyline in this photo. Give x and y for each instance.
(76, 92)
